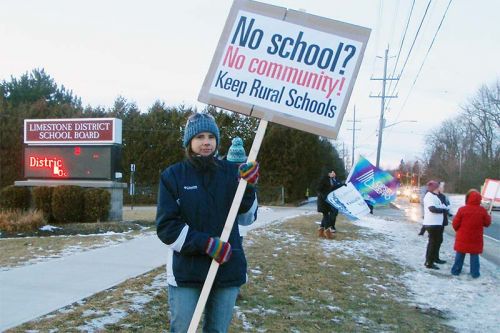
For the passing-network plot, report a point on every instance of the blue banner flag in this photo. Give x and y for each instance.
(375, 185)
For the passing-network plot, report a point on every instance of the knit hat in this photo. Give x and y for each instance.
(432, 185)
(198, 123)
(236, 152)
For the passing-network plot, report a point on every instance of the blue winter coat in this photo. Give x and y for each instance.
(193, 205)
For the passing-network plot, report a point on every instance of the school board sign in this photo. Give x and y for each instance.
(285, 66)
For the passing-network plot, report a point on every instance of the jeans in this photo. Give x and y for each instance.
(459, 262)
(218, 310)
(329, 219)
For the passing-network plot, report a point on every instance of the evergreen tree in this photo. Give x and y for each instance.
(32, 96)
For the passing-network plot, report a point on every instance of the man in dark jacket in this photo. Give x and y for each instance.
(327, 184)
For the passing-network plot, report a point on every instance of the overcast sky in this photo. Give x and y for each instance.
(161, 50)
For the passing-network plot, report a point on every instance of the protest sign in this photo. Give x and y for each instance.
(374, 184)
(491, 190)
(349, 202)
(285, 66)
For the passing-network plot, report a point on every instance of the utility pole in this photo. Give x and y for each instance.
(353, 129)
(383, 96)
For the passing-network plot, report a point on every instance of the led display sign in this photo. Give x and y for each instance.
(72, 162)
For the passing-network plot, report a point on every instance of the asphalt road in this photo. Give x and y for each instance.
(493, 230)
(413, 212)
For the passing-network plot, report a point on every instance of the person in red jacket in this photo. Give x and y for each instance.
(468, 224)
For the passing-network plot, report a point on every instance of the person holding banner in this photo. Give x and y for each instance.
(433, 223)
(327, 184)
(195, 197)
(469, 224)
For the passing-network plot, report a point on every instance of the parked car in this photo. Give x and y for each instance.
(415, 195)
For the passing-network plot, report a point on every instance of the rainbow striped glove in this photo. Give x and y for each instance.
(218, 250)
(250, 172)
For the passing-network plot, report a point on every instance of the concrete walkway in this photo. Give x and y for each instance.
(31, 291)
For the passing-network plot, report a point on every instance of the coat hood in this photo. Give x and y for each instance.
(474, 198)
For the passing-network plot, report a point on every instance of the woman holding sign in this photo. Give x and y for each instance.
(327, 184)
(195, 197)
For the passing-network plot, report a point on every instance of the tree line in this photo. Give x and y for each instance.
(152, 139)
(465, 149)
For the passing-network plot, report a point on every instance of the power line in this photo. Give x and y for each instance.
(432, 43)
(377, 36)
(425, 58)
(411, 48)
(402, 43)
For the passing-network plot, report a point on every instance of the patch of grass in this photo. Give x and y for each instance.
(297, 283)
(18, 248)
(72, 238)
(14, 221)
(141, 213)
(142, 299)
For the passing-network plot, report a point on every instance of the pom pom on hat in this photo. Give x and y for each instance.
(198, 123)
(236, 152)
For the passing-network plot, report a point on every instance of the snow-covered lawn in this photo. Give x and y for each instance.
(472, 304)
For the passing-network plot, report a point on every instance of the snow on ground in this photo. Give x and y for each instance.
(472, 305)
(97, 319)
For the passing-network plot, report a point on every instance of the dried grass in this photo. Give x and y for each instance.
(295, 285)
(21, 221)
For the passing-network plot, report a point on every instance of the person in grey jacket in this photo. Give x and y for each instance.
(194, 200)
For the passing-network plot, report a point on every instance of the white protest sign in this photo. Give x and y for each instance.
(285, 66)
(491, 189)
(349, 202)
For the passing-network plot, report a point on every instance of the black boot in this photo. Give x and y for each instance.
(439, 261)
(431, 265)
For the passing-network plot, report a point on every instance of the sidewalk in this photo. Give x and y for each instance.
(31, 291)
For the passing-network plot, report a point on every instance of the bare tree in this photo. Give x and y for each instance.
(466, 149)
